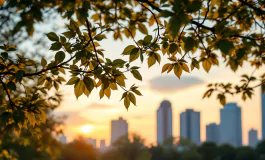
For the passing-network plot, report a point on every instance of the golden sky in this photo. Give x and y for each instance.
(155, 87)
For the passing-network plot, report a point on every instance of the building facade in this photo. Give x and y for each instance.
(92, 141)
(119, 128)
(230, 125)
(190, 126)
(164, 121)
(253, 138)
(213, 133)
(63, 139)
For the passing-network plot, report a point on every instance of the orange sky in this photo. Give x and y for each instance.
(142, 119)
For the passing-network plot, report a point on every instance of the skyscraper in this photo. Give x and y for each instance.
(190, 126)
(253, 138)
(164, 121)
(213, 133)
(63, 139)
(263, 110)
(230, 126)
(119, 128)
(102, 145)
(92, 141)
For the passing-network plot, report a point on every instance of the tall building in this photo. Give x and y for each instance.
(92, 141)
(213, 133)
(190, 126)
(119, 128)
(263, 110)
(164, 121)
(230, 126)
(63, 139)
(253, 138)
(102, 145)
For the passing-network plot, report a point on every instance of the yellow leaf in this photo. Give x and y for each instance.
(177, 70)
(101, 93)
(151, 61)
(120, 81)
(86, 92)
(79, 88)
(43, 116)
(126, 102)
(206, 65)
(185, 67)
(132, 98)
(166, 67)
(113, 86)
(170, 68)
(107, 92)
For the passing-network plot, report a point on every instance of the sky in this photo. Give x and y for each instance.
(95, 115)
(183, 93)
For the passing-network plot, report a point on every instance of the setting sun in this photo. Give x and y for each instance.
(86, 129)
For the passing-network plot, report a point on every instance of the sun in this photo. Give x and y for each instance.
(86, 129)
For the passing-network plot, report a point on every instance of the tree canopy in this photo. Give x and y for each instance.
(189, 34)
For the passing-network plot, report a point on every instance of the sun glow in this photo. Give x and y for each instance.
(86, 129)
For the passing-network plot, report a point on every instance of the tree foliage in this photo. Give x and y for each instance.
(187, 35)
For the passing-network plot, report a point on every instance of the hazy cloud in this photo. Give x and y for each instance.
(166, 84)
(99, 106)
(74, 118)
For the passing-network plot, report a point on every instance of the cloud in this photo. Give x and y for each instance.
(99, 106)
(169, 84)
(74, 118)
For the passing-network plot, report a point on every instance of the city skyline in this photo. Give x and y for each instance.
(176, 110)
(228, 131)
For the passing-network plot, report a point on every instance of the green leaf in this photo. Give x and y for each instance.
(89, 83)
(132, 98)
(73, 80)
(151, 61)
(193, 6)
(174, 27)
(136, 74)
(127, 102)
(100, 37)
(56, 46)
(190, 43)
(63, 39)
(52, 36)
(43, 62)
(4, 55)
(225, 46)
(147, 40)
(19, 75)
(69, 34)
(134, 54)
(128, 50)
(137, 92)
(56, 85)
(166, 13)
(11, 85)
(79, 88)
(142, 28)
(173, 47)
(59, 57)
